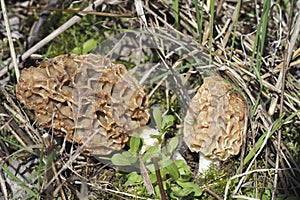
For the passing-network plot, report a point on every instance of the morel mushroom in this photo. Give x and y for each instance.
(78, 95)
(214, 123)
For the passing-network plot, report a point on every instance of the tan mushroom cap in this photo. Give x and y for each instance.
(215, 120)
(79, 95)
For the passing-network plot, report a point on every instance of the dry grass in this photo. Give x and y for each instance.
(254, 46)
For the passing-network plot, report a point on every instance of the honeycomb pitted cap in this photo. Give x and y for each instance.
(78, 95)
(214, 123)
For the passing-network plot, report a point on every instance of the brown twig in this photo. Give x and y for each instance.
(212, 193)
(159, 180)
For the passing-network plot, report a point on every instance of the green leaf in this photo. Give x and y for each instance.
(184, 170)
(124, 159)
(173, 170)
(175, 190)
(181, 192)
(157, 191)
(168, 121)
(151, 168)
(135, 144)
(150, 153)
(130, 157)
(119, 160)
(157, 115)
(88, 46)
(189, 187)
(158, 137)
(165, 162)
(133, 178)
(173, 144)
(153, 177)
(76, 50)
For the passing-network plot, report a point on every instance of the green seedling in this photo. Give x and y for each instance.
(175, 174)
(162, 123)
(87, 46)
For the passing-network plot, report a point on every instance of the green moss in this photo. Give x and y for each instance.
(215, 180)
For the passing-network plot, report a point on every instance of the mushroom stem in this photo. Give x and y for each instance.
(146, 132)
(204, 164)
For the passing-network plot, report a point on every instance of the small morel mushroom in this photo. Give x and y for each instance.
(214, 123)
(78, 95)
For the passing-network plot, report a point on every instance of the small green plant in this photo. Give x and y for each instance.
(163, 123)
(176, 175)
(86, 47)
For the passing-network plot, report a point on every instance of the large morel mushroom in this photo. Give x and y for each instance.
(78, 95)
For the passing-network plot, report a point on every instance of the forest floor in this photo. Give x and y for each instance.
(170, 47)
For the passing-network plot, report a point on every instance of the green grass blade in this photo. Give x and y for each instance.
(20, 182)
(176, 13)
(235, 27)
(40, 168)
(199, 16)
(277, 124)
(258, 49)
(264, 24)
